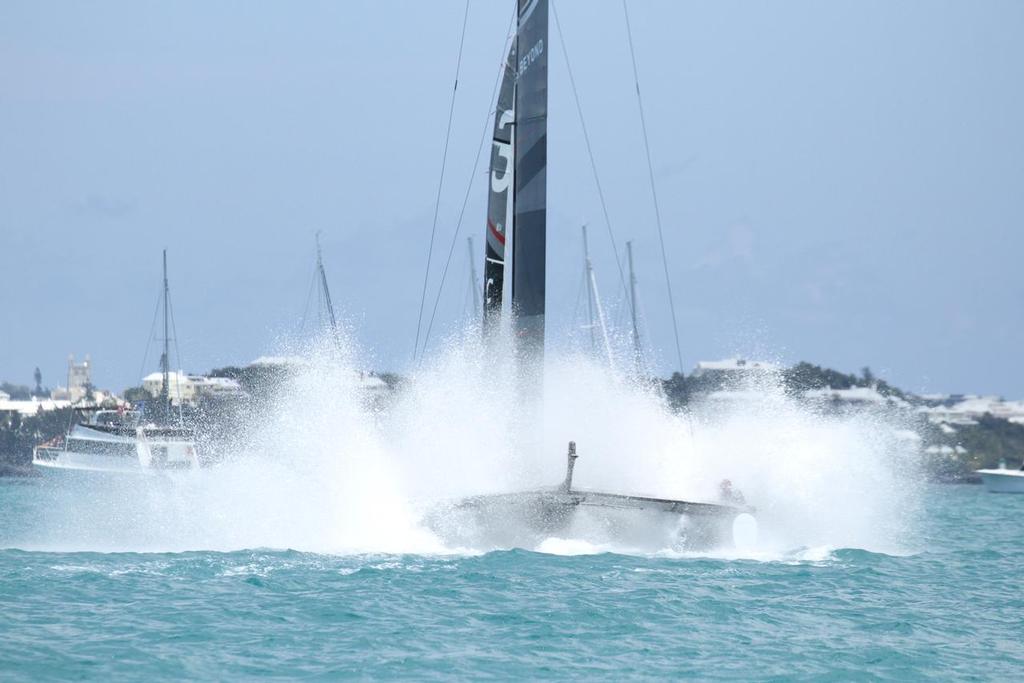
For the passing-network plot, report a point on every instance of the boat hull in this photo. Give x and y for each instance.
(118, 449)
(1002, 481)
(528, 518)
(71, 463)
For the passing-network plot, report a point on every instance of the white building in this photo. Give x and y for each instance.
(967, 409)
(183, 388)
(734, 367)
(33, 406)
(215, 387)
(180, 388)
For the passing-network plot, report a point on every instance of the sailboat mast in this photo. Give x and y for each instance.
(587, 273)
(165, 360)
(325, 290)
(594, 301)
(637, 355)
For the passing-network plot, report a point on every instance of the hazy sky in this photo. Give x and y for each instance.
(840, 182)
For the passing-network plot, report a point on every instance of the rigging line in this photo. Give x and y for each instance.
(621, 308)
(642, 326)
(440, 182)
(469, 187)
(309, 297)
(177, 352)
(468, 310)
(590, 150)
(319, 305)
(152, 331)
(654, 192)
(579, 298)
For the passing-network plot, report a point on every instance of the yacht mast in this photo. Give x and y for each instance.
(165, 360)
(325, 291)
(588, 271)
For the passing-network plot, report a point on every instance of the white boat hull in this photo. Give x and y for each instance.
(89, 449)
(1003, 481)
(85, 462)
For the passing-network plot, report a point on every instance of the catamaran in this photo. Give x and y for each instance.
(518, 188)
(126, 441)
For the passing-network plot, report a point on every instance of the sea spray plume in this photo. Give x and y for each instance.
(307, 472)
(333, 486)
(451, 428)
(318, 469)
(818, 477)
(457, 433)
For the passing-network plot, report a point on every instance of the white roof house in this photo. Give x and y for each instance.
(968, 409)
(186, 388)
(734, 365)
(180, 388)
(215, 386)
(32, 406)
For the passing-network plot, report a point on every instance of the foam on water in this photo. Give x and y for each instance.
(324, 472)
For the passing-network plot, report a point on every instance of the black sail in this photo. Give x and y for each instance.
(530, 198)
(499, 194)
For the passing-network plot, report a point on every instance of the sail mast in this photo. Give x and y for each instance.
(529, 247)
(325, 290)
(594, 304)
(165, 360)
(587, 268)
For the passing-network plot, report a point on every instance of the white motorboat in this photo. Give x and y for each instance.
(128, 442)
(1003, 480)
(118, 446)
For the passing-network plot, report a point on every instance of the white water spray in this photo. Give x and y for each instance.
(324, 471)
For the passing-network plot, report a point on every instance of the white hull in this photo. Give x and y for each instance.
(1003, 481)
(85, 462)
(134, 451)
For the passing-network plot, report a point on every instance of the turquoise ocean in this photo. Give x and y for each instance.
(948, 605)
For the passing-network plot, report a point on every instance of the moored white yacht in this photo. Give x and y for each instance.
(127, 442)
(124, 444)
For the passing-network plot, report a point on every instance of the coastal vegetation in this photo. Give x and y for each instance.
(19, 434)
